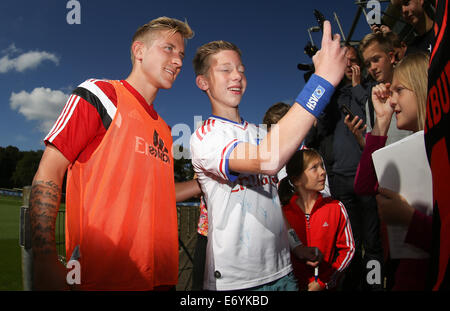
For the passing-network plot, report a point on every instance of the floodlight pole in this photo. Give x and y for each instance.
(312, 29)
(336, 18)
(25, 240)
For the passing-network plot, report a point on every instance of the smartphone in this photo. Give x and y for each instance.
(346, 111)
(320, 18)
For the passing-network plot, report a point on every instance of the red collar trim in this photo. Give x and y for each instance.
(149, 108)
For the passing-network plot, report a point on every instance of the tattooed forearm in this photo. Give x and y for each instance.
(44, 203)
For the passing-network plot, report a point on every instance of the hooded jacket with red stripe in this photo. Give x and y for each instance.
(329, 229)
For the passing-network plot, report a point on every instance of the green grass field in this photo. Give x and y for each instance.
(10, 258)
(10, 251)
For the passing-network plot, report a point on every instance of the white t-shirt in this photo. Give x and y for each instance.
(247, 238)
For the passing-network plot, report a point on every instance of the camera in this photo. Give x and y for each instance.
(320, 18)
(310, 48)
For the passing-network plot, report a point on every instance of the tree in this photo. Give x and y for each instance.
(9, 157)
(26, 168)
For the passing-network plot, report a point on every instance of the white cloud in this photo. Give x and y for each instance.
(42, 104)
(22, 62)
(11, 49)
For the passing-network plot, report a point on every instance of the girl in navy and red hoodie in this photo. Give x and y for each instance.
(318, 221)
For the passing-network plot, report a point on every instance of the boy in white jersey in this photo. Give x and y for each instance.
(248, 244)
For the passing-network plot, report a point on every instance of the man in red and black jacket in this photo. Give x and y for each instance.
(437, 141)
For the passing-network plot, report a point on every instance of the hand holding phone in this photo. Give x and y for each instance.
(346, 111)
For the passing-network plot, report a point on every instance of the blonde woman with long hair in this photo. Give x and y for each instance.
(406, 97)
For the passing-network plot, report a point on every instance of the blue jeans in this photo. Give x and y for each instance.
(286, 283)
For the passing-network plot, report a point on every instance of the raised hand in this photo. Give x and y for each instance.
(356, 75)
(382, 107)
(330, 60)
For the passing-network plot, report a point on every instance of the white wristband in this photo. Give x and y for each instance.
(294, 241)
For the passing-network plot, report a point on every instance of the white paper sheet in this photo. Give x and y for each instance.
(403, 167)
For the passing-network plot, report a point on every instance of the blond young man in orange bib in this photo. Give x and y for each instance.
(121, 219)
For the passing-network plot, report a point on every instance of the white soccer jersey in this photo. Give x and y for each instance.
(247, 238)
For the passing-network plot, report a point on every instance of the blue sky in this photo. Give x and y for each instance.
(43, 58)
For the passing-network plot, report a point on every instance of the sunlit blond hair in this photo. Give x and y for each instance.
(146, 32)
(201, 58)
(380, 38)
(412, 72)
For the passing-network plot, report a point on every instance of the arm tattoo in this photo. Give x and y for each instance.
(44, 204)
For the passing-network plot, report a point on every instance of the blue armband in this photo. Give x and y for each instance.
(316, 95)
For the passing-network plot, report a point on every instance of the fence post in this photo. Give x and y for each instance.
(25, 240)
